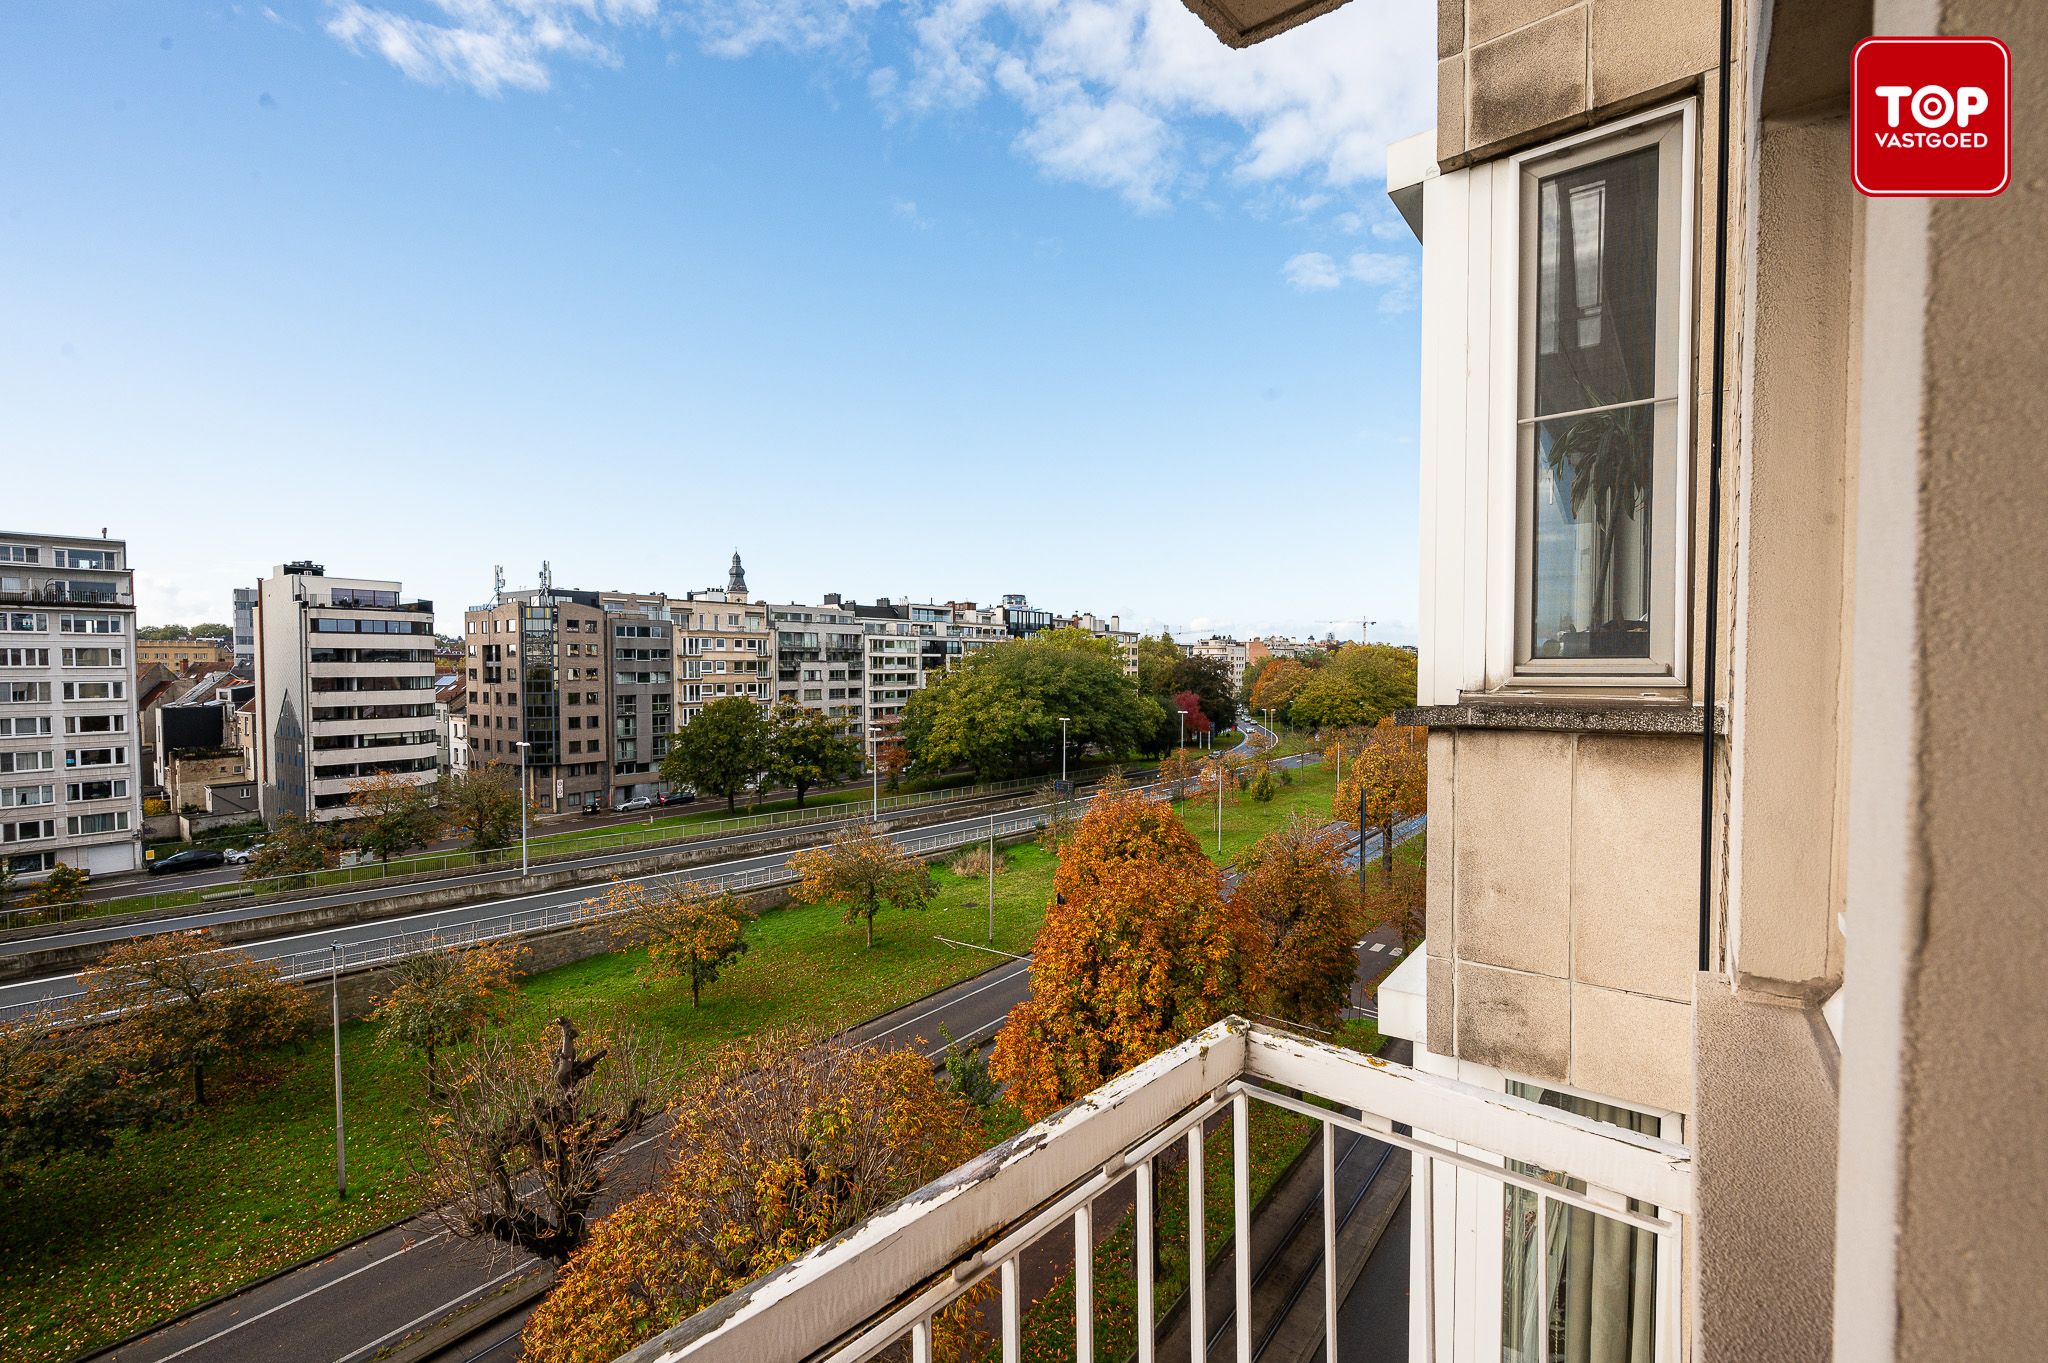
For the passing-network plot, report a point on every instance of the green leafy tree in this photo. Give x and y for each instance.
(691, 931)
(64, 1090)
(295, 846)
(720, 751)
(1359, 685)
(484, 801)
(1157, 657)
(1209, 679)
(806, 749)
(1000, 711)
(391, 815)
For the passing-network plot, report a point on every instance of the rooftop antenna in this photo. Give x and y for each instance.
(497, 581)
(547, 577)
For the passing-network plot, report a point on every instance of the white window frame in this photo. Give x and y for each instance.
(1675, 127)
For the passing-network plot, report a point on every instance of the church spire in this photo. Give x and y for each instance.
(736, 580)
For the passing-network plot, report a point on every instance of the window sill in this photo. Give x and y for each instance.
(1558, 716)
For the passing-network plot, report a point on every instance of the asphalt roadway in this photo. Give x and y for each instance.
(369, 1298)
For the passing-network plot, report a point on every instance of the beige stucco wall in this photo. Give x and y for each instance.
(1945, 1173)
(1563, 889)
(1794, 554)
(1512, 72)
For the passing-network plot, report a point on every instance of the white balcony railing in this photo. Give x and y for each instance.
(875, 1289)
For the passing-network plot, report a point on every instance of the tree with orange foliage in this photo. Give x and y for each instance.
(691, 931)
(1293, 879)
(442, 997)
(1139, 950)
(180, 1005)
(1178, 768)
(867, 871)
(779, 1147)
(1386, 783)
(1280, 681)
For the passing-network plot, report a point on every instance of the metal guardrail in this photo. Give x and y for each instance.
(594, 844)
(382, 950)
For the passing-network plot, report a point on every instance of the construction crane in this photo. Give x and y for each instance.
(1364, 634)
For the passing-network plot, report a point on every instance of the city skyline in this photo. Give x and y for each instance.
(1090, 335)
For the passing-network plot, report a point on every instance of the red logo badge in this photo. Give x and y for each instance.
(1931, 117)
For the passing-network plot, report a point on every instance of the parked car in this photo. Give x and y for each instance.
(634, 805)
(594, 807)
(676, 797)
(239, 856)
(192, 859)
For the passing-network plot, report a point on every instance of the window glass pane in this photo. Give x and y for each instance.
(1588, 1281)
(1590, 533)
(1596, 278)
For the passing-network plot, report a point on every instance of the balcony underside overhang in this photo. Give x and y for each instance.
(1240, 23)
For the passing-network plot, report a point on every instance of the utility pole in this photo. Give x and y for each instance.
(1361, 842)
(991, 879)
(1217, 762)
(340, 1137)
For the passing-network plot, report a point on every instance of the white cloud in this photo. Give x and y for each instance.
(1133, 96)
(1311, 271)
(908, 211)
(488, 45)
(1394, 276)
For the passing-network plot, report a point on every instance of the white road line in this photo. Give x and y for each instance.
(940, 1008)
(309, 1292)
(1379, 946)
(434, 1313)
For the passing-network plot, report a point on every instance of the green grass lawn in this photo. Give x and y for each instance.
(1245, 821)
(91, 1249)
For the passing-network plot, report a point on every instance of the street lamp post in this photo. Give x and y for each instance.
(1063, 751)
(1217, 762)
(991, 879)
(1183, 726)
(525, 799)
(340, 1138)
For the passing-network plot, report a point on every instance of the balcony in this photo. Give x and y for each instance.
(874, 1290)
(69, 594)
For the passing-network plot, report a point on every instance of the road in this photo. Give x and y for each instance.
(446, 922)
(362, 1301)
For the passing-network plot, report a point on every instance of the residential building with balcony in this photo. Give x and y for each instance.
(70, 752)
(537, 672)
(1126, 640)
(344, 687)
(724, 647)
(821, 661)
(1232, 653)
(1727, 1026)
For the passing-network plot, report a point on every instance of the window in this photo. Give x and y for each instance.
(95, 724)
(27, 830)
(25, 693)
(24, 622)
(98, 559)
(89, 624)
(16, 796)
(19, 553)
(95, 757)
(100, 690)
(23, 726)
(96, 790)
(1600, 419)
(79, 824)
(24, 657)
(92, 657)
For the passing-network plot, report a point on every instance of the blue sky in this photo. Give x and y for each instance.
(944, 299)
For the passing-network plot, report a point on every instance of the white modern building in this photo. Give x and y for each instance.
(1233, 653)
(70, 776)
(344, 687)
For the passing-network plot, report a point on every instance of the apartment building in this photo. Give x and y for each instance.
(245, 631)
(1727, 1027)
(537, 677)
(70, 773)
(1126, 640)
(909, 643)
(1232, 653)
(640, 644)
(725, 647)
(184, 655)
(344, 686)
(821, 661)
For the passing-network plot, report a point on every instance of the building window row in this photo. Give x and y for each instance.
(79, 825)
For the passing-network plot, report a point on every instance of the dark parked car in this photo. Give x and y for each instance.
(675, 797)
(194, 859)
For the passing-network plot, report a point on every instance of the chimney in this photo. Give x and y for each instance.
(832, 598)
